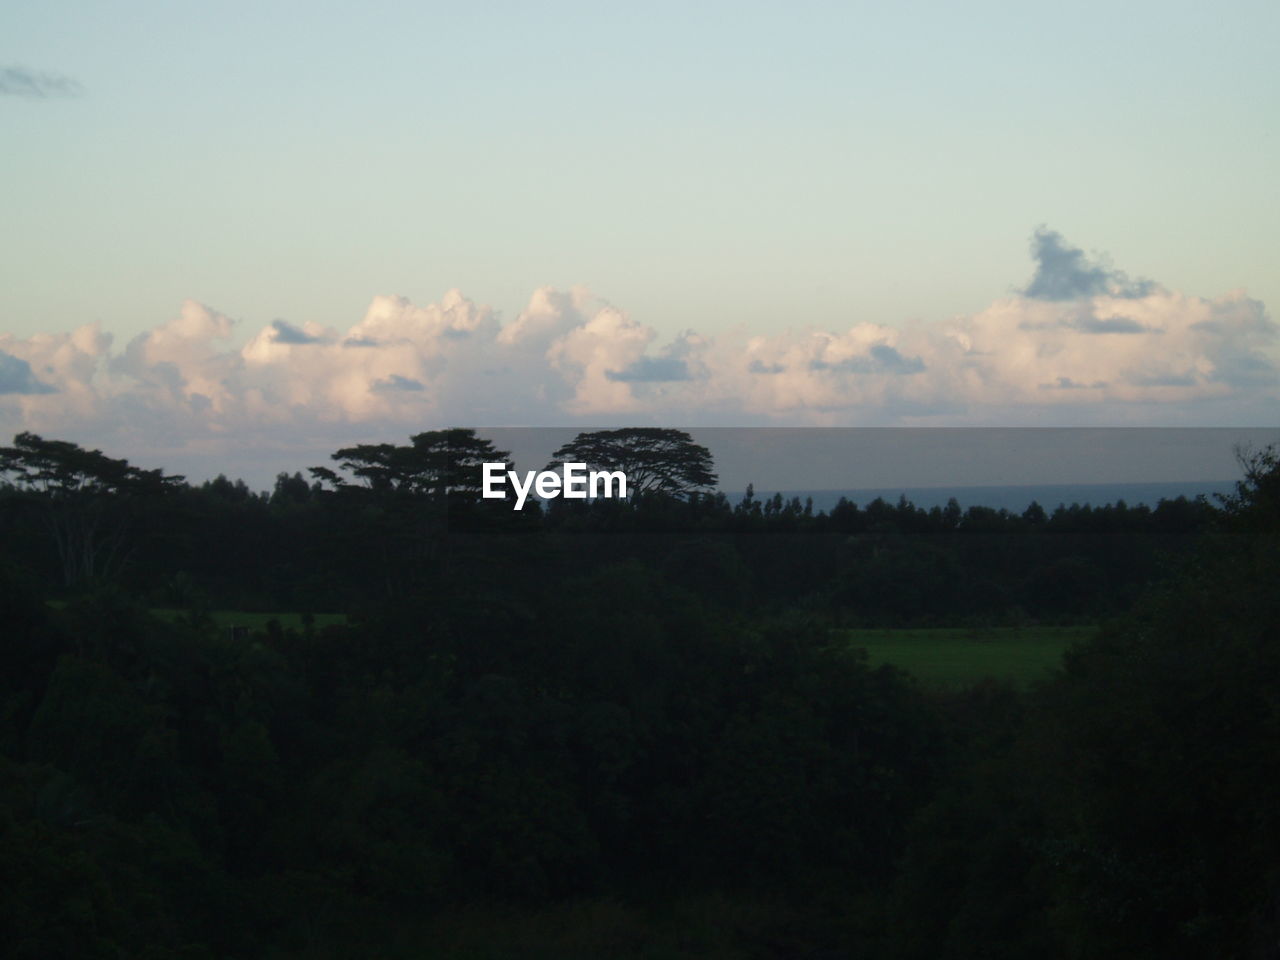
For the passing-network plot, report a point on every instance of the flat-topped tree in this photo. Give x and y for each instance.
(434, 463)
(376, 465)
(655, 459)
(407, 496)
(86, 498)
(61, 468)
(454, 460)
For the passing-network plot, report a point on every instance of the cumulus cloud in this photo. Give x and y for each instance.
(879, 358)
(1080, 344)
(37, 85)
(651, 370)
(1064, 272)
(288, 333)
(16, 376)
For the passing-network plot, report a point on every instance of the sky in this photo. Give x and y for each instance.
(245, 234)
(1183, 461)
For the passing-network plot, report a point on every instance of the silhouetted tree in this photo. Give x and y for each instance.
(655, 460)
(85, 496)
(437, 462)
(1255, 504)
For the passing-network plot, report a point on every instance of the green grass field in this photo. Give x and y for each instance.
(947, 657)
(955, 657)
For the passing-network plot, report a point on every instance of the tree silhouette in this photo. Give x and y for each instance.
(436, 463)
(655, 460)
(1255, 504)
(86, 498)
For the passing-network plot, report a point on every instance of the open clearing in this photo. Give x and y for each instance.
(943, 656)
(955, 657)
(939, 657)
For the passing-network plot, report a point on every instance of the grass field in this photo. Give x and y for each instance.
(939, 657)
(955, 657)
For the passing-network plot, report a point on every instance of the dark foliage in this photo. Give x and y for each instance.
(631, 702)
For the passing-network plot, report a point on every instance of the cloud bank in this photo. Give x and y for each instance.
(1081, 344)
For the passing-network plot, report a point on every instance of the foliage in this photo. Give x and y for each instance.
(1129, 808)
(444, 753)
(436, 463)
(85, 498)
(655, 460)
(570, 720)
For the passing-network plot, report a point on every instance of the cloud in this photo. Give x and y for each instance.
(35, 85)
(1066, 383)
(651, 370)
(396, 382)
(1246, 370)
(880, 358)
(181, 357)
(891, 361)
(288, 333)
(1091, 324)
(1161, 379)
(16, 377)
(1063, 272)
(1110, 354)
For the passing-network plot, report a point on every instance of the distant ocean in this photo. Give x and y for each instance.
(1014, 498)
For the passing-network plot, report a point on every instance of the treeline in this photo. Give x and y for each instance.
(375, 529)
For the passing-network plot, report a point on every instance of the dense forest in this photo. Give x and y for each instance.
(623, 728)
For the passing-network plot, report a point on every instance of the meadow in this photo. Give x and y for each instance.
(950, 657)
(960, 656)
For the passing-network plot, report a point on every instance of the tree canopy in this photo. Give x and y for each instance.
(86, 498)
(438, 462)
(60, 468)
(655, 459)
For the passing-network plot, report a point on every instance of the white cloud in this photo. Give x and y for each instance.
(1117, 350)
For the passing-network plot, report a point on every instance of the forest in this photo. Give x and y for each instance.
(622, 728)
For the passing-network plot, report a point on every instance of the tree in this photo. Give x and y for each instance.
(454, 460)
(86, 497)
(1255, 504)
(654, 459)
(435, 463)
(290, 490)
(404, 498)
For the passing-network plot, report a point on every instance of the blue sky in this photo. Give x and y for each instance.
(742, 163)
(739, 170)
